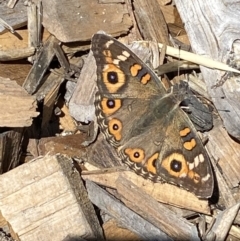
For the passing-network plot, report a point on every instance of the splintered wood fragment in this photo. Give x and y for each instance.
(234, 230)
(151, 21)
(162, 192)
(86, 18)
(81, 104)
(67, 123)
(10, 148)
(48, 104)
(125, 216)
(35, 76)
(49, 91)
(137, 200)
(17, 107)
(197, 59)
(34, 26)
(223, 222)
(11, 3)
(15, 17)
(47, 192)
(16, 54)
(176, 66)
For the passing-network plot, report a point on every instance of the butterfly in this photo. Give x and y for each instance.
(144, 122)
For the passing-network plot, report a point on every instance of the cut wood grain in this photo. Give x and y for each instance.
(44, 193)
(72, 21)
(124, 215)
(17, 107)
(212, 28)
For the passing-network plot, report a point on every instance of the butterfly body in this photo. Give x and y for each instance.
(151, 133)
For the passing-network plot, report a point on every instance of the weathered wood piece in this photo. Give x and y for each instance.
(34, 24)
(212, 28)
(35, 76)
(69, 145)
(15, 70)
(45, 193)
(164, 193)
(223, 223)
(125, 216)
(86, 18)
(113, 231)
(17, 107)
(10, 148)
(49, 91)
(81, 105)
(14, 54)
(19, 40)
(151, 21)
(15, 17)
(166, 220)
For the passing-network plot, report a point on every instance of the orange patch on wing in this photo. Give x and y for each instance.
(150, 164)
(108, 110)
(135, 154)
(135, 69)
(115, 128)
(120, 78)
(166, 163)
(184, 132)
(189, 145)
(145, 79)
(194, 176)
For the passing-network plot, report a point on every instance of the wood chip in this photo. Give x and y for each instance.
(86, 18)
(16, 17)
(17, 107)
(165, 193)
(137, 200)
(35, 76)
(45, 193)
(128, 219)
(224, 222)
